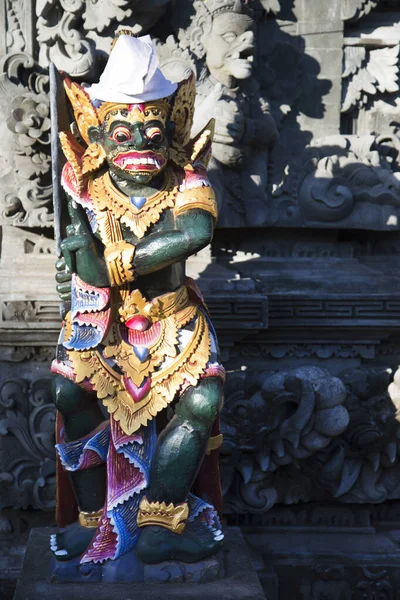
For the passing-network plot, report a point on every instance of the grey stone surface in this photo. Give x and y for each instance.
(240, 581)
(337, 560)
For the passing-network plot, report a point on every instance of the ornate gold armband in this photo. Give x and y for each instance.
(90, 519)
(200, 197)
(119, 257)
(169, 516)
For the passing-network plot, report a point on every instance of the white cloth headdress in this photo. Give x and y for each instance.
(132, 75)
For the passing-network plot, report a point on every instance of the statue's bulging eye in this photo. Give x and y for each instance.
(229, 37)
(121, 134)
(154, 134)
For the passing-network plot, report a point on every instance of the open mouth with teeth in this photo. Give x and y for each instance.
(244, 51)
(239, 61)
(140, 161)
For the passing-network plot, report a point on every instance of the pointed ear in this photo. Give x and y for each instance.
(201, 149)
(85, 113)
(183, 110)
(73, 152)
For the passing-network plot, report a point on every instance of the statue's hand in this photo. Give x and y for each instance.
(230, 122)
(71, 244)
(82, 256)
(63, 279)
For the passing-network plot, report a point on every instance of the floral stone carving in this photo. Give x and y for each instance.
(25, 190)
(27, 464)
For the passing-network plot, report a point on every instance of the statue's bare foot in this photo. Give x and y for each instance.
(71, 542)
(197, 541)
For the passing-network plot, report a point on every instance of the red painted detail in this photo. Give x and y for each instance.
(138, 323)
(137, 393)
(145, 338)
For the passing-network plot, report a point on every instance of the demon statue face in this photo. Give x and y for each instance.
(135, 141)
(229, 46)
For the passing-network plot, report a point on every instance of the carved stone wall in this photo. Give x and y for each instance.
(303, 277)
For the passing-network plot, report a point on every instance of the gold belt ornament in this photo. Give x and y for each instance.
(159, 308)
(153, 380)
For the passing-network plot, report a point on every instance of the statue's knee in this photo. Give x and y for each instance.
(203, 402)
(67, 395)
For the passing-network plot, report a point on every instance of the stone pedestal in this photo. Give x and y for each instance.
(228, 576)
(339, 563)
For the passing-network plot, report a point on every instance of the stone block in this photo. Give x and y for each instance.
(313, 562)
(228, 576)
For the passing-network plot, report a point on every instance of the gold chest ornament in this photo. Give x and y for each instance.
(110, 205)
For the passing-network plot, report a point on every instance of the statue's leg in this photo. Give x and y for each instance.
(178, 457)
(81, 415)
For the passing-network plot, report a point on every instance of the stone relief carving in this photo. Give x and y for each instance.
(368, 72)
(43, 354)
(370, 77)
(375, 584)
(336, 583)
(20, 311)
(322, 437)
(346, 181)
(304, 350)
(25, 190)
(75, 34)
(59, 37)
(15, 41)
(220, 41)
(300, 411)
(27, 462)
(329, 582)
(352, 10)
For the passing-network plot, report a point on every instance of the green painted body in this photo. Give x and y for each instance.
(159, 264)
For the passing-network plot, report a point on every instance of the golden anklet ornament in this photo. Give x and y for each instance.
(90, 519)
(164, 515)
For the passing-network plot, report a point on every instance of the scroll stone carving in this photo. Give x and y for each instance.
(75, 34)
(346, 181)
(321, 436)
(60, 40)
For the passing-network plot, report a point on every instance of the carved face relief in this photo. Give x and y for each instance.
(135, 141)
(230, 47)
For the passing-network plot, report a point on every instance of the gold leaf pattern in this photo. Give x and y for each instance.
(85, 114)
(185, 367)
(108, 199)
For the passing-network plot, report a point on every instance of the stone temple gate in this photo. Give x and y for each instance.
(302, 279)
